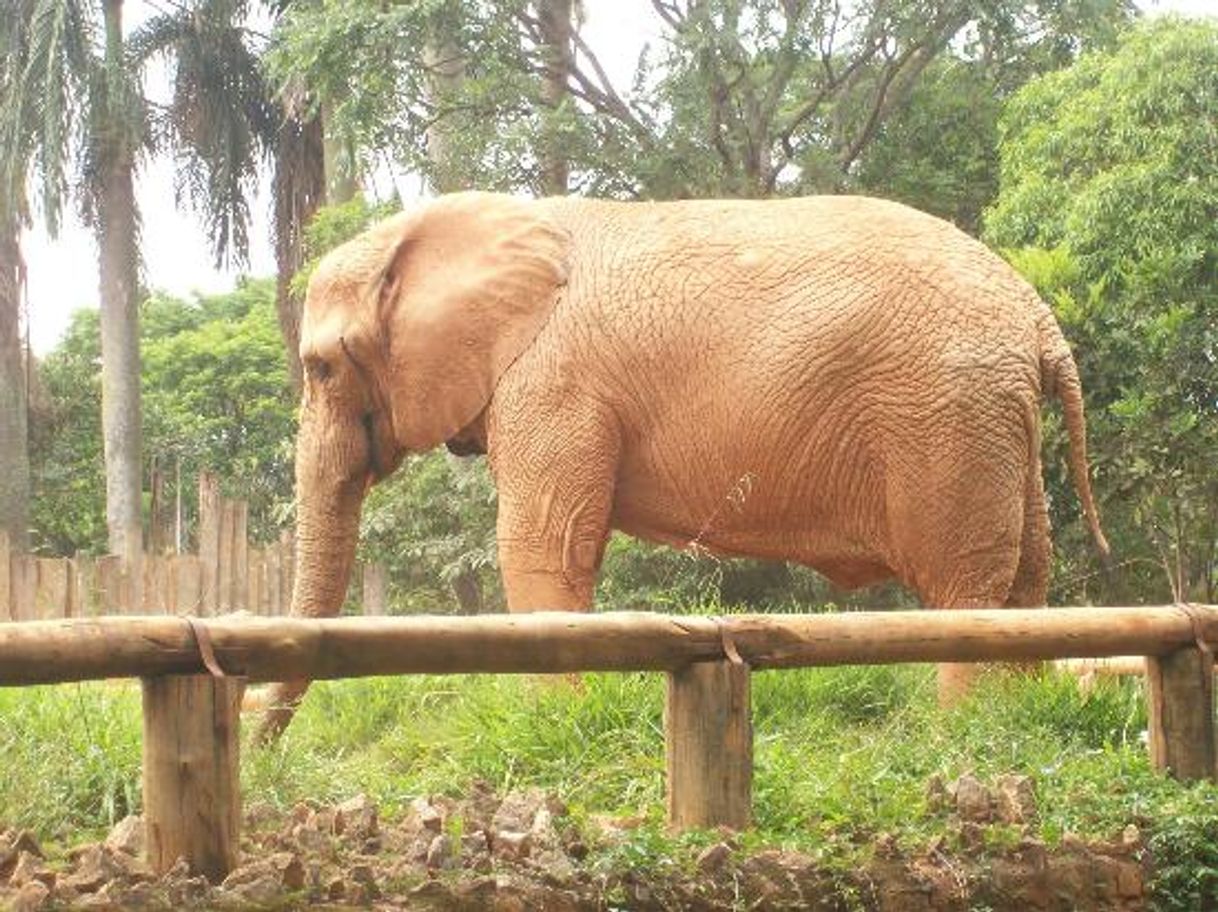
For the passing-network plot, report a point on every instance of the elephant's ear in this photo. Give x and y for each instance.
(470, 282)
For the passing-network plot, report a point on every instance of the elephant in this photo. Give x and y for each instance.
(839, 381)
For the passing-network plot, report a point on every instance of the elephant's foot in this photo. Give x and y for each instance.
(280, 707)
(956, 681)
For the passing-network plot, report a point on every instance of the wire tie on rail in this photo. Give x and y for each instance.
(1193, 613)
(206, 652)
(729, 645)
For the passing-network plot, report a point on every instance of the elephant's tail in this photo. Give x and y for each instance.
(1060, 380)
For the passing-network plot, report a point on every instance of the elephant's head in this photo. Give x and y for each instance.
(406, 331)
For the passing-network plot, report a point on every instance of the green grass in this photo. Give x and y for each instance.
(841, 754)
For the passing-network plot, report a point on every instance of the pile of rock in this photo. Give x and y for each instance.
(522, 852)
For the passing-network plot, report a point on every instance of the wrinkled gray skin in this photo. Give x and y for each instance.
(838, 381)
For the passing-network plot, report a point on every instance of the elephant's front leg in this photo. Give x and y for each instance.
(555, 499)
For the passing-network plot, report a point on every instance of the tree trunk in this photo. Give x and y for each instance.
(299, 189)
(468, 591)
(557, 30)
(445, 73)
(14, 444)
(118, 258)
(342, 181)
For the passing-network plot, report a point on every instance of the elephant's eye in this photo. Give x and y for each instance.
(317, 369)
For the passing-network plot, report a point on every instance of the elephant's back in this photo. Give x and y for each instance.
(764, 357)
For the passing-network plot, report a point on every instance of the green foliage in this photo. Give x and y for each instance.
(432, 524)
(737, 98)
(1109, 185)
(1185, 849)
(334, 225)
(216, 396)
(940, 153)
(71, 757)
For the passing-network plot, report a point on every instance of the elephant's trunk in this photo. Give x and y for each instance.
(327, 529)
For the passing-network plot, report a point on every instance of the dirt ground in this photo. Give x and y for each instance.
(522, 853)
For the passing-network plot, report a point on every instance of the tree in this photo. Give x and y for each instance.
(14, 447)
(742, 97)
(224, 122)
(1109, 185)
(217, 397)
(77, 103)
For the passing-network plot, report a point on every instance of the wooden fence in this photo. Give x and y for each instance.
(228, 574)
(191, 719)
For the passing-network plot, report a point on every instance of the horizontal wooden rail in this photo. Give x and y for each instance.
(271, 649)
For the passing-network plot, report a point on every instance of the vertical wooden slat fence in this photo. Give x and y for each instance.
(228, 574)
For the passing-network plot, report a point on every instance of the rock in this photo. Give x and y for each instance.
(937, 798)
(336, 888)
(259, 814)
(31, 897)
(25, 841)
(323, 821)
(475, 844)
(1015, 799)
(972, 835)
(132, 868)
(714, 857)
(311, 841)
(30, 869)
(289, 868)
(1071, 842)
(886, 846)
(135, 896)
(614, 829)
(127, 836)
(971, 799)
(94, 867)
(1131, 836)
(554, 865)
(12, 844)
(428, 817)
(440, 853)
(356, 818)
(511, 845)
(257, 886)
(262, 881)
(519, 811)
(363, 877)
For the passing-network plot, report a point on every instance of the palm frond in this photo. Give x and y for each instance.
(59, 66)
(220, 121)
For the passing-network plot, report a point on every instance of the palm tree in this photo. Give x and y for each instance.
(74, 103)
(225, 123)
(14, 443)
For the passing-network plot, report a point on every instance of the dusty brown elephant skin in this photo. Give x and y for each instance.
(839, 381)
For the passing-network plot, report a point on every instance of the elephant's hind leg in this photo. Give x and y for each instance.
(966, 550)
(997, 586)
(1030, 587)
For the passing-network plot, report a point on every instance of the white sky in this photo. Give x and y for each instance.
(63, 271)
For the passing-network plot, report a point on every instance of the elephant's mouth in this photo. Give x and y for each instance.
(465, 446)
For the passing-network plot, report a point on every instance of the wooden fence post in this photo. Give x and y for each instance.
(374, 585)
(1180, 706)
(709, 746)
(6, 612)
(209, 543)
(192, 797)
